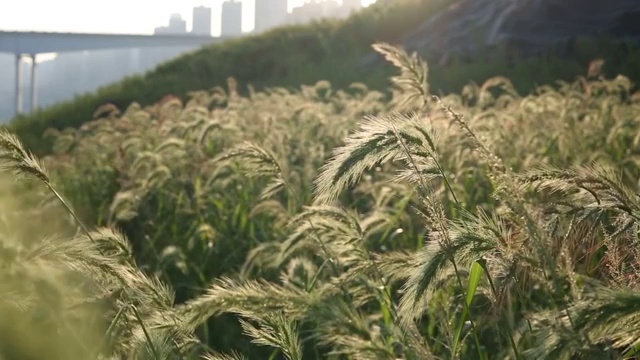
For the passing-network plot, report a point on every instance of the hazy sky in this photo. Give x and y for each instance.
(112, 16)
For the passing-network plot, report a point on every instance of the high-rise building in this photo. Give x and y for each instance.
(269, 14)
(201, 21)
(176, 26)
(231, 18)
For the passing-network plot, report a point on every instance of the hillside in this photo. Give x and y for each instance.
(336, 51)
(527, 26)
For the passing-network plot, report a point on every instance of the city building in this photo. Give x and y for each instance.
(177, 25)
(231, 18)
(201, 21)
(270, 14)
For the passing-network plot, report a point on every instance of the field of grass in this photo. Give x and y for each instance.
(330, 224)
(335, 51)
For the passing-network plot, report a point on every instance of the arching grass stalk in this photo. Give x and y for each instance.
(13, 156)
(70, 211)
(555, 277)
(483, 264)
(497, 166)
(330, 259)
(387, 301)
(259, 161)
(443, 231)
(114, 322)
(412, 80)
(155, 353)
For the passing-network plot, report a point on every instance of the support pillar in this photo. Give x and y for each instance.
(34, 82)
(18, 86)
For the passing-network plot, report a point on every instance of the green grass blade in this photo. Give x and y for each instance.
(474, 279)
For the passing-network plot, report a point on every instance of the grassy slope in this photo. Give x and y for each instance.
(285, 56)
(329, 50)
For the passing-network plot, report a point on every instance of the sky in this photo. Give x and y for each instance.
(113, 16)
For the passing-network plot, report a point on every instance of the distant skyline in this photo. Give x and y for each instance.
(114, 16)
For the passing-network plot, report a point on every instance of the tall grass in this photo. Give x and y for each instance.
(325, 224)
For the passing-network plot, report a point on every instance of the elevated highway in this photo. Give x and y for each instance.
(33, 43)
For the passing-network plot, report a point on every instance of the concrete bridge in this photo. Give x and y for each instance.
(33, 43)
